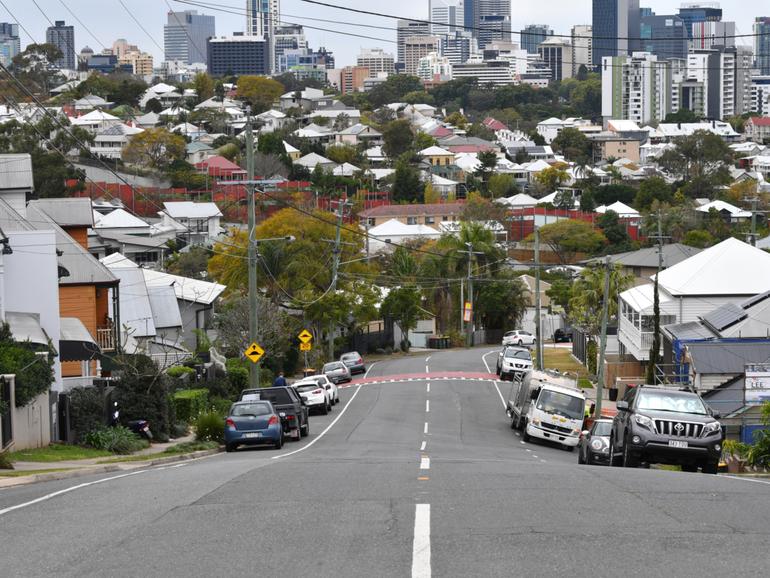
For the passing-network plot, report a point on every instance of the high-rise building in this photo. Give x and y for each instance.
(582, 47)
(693, 12)
(707, 34)
(416, 47)
(762, 44)
(352, 79)
(493, 28)
(186, 34)
(446, 17)
(238, 54)
(434, 68)
(63, 37)
(723, 77)
(141, 63)
(533, 35)
(407, 29)
(664, 36)
(557, 54)
(486, 72)
(10, 43)
(457, 48)
(636, 87)
(287, 38)
(377, 61)
(262, 17)
(760, 95)
(616, 25)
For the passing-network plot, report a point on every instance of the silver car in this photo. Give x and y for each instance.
(337, 372)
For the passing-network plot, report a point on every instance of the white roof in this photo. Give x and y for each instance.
(117, 260)
(93, 117)
(723, 206)
(190, 210)
(536, 166)
(380, 174)
(310, 160)
(730, 268)
(135, 308)
(519, 200)
(161, 88)
(271, 114)
(551, 121)
(621, 209)
(642, 297)
(345, 170)
(186, 127)
(173, 111)
(623, 125)
(289, 148)
(396, 228)
(185, 288)
(120, 218)
(435, 151)
(165, 309)
(441, 181)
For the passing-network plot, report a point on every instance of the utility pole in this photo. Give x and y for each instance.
(252, 252)
(655, 348)
(462, 306)
(335, 266)
(603, 338)
(538, 318)
(753, 234)
(470, 252)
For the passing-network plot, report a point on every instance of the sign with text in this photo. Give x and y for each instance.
(757, 383)
(468, 312)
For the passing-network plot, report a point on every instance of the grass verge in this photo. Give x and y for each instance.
(175, 450)
(560, 358)
(22, 473)
(57, 453)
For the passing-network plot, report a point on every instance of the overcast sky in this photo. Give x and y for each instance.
(108, 20)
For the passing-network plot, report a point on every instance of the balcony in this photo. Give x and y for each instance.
(105, 338)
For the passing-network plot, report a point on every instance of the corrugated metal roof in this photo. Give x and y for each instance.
(648, 258)
(16, 172)
(67, 212)
(120, 218)
(165, 308)
(692, 330)
(149, 242)
(190, 210)
(727, 358)
(724, 316)
(26, 327)
(135, 308)
(10, 220)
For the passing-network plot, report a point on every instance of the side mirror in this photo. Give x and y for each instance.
(328, 386)
(585, 433)
(622, 406)
(533, 394)
(716, 415)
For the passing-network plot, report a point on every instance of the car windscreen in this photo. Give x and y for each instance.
(673, 401)
(561, 404)
(350, 357)
(332, 366)
(275, 396)
(302, 387)
(602, 428)
(518, 354)
(251, 409)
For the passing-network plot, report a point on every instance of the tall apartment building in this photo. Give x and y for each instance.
(10, 43)
(762, 44)
(457, 48)
(486, 72)
(415, 48)
(706, 35)
(434, 68)
(636, 87)
(694, 12)
(582, 47)
(533, 35)
(723, 76)
(664, 36)
(186, 35)
(262, 17)
(493, 28)
(63, 37)
(141, 63)
(446, 17)
(557, 54)
(238, 55)
(377, 61)
(287, 38)
(352, 79)
(760, 95)
(616, 25)
(407, 29)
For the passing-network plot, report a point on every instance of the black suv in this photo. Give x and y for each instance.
(668, 426)
(287, 404)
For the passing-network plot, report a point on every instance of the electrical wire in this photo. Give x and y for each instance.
(139, 24)
(86, 28)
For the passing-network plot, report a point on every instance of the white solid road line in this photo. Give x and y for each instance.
(425, 429)
(427, 359)
(421, 546)
(424, 463)
(423, 446)
(427, 369)
(323, 433)
(741, 478)
(427, 406)
(484, 359)
(368, 369)
(502, 400)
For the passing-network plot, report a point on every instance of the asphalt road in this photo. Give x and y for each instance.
(412, 477)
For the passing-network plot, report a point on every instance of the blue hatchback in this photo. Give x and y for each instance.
(253, 423)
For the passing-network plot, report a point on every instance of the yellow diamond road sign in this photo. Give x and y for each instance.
(305, 336)
(305, 346)
(254, 352)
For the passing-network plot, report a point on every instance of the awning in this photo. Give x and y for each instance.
(26, 327)
(75, 342)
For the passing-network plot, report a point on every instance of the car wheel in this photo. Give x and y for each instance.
(230, 448)
(581, 460)
(279, 442)
(568, 448)
(513, 423)
(324, 408)
(305, 430)
(629, 461)
(520, 343)
(337, 399)
(691, 468)
(524, 434)
(589, 458)
(710, 468)
(331, 403)
(615, 458)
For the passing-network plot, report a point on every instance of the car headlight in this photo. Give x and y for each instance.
(597, 444)
(644, 421)
(536, 422)
(711, 428)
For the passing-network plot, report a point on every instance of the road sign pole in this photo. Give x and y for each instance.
(252, 246)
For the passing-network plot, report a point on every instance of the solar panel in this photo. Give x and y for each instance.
(725, 316)
(755, 300)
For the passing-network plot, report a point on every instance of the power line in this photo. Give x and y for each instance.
(79, 21)
(139, 24)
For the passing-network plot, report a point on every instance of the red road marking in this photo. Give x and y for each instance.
(425, 376)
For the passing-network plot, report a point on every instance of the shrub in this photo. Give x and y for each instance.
(220, 405)
(210, 427)
(189, 403)
(180, 371)
(86, 410)
(592, 350)
(5, 463)
(187, 447)
(118, 440)
(142, 393)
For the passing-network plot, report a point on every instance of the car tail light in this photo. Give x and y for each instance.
(291, 417)
(230, 423)
(273, 420)
(317, 391)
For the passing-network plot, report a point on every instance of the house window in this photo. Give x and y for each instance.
(444, 218)
(411, 220)
(430, 220)
(371, 222)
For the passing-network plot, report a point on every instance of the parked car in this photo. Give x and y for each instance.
(666, 425)
(519, 337)
(513, 360)
(327, 384)
(253, 423)
(594, 444)
(316, 396)
(354, 361)
(562, 336)
(337, 372)
(289, 406)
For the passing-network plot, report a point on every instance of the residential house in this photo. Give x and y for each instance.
(120, 221)
(201, 220)
(437, 156)
(110, 142)
(197, 152)
(271, 121)
(359, 134)
(91, 102)
(395, 231)
(220, 168)
(292, 152)
(610, 145)
(730, 213)
(643, 264)
(96, 121)
(757, 129)
(16, 180)
(310, 99)
(165, 94)
(311, 160)
(417, 214)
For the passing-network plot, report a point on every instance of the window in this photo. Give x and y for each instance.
(430, 220)
(411, 220)
(444, 218)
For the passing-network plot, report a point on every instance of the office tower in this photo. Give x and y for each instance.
(10, 44)
(557, 54)
(447, 17)
(582, 47)
(63, 37)
(457, 48)
(722, 75)
(416, 47)
(377, 61)
(352, 79)
(493, 28)
(710, 33)
(185, 36)
(237, 55)
(665, 36)
(616, 25)
(762, 44)
(262, 17)
(637, 88)
(693, 12)
(407, 29)
(533, 35)
(287, 38)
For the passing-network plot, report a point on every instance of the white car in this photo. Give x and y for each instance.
(328, 385)
(519, 337)
(315, 395)
(513, 361)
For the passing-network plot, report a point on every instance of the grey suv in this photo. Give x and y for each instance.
(668, 426)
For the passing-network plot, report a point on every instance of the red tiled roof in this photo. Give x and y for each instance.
(760, 120)
(414, 210)
(494, 124)
(218, 162)
(440, 131)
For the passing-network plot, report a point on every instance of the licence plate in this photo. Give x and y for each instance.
(677, 444)
(252, 435)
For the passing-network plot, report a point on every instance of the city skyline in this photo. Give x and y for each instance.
(152, 14)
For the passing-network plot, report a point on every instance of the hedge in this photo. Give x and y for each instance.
(190, 403)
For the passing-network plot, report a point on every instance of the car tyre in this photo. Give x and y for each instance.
(304, 431)
(589, 461)
(710, 468)
(690, 468)
(520, 343)
(324, 408)
(615, 458)
(568, 448)
(629, 461)
(279, 442)
(524, 434)
(581, 460)
(230, 448)
(513, 423)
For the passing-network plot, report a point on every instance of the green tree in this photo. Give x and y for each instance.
(406, 182)
(423, 141)
(394, 89)
(488, 163)
(614, 231)
(701, 160)
(501, 303)
(192, 264)
(682, 115)
(551, 179)
(203, 85)
(457, 119)
(653, 189)
(34, 374)
(573, 144)
(35, 68)
(587, 298)
(155, 147)
(259, 92)
(568, 237)
(502, 185)
(608, 194)
(398, 138)
(344, 154)
(403, 306)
